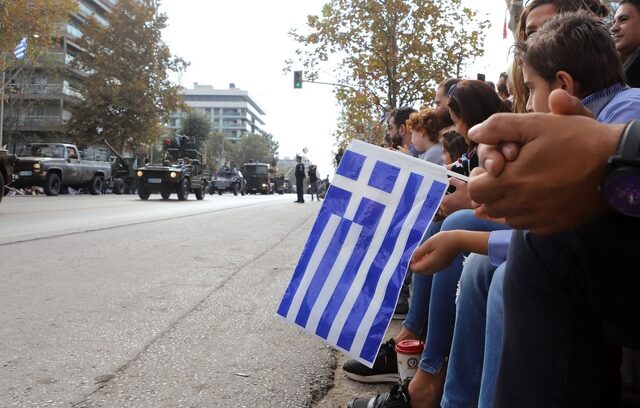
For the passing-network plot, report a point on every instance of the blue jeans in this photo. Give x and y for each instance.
(433, 297)
(475, 350)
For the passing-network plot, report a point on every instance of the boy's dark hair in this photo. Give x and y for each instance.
(474, 101)
(577, 43)
(401, 115)
(453, 143)
(636, 3)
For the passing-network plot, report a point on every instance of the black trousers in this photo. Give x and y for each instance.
(300, 188)
(568, 297)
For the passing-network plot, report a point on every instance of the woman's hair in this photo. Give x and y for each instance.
(453, 143)
(474, 101)
(428, 121)
(577, 43)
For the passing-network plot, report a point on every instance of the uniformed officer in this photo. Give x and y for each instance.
(300, 175)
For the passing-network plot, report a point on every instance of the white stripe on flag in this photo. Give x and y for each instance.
(316, 258)
(376, 302)
(334, 277)
(374, 248)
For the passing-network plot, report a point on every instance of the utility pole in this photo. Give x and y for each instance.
(4, 62)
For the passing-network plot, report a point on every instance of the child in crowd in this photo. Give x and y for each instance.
(425, 126)
(453, 145)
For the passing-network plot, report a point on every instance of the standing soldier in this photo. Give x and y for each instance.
(300, 180)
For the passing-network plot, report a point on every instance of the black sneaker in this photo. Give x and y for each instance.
(385, 367)
(398, 397)
(402, 308)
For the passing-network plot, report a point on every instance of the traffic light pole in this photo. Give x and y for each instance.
(347, 86)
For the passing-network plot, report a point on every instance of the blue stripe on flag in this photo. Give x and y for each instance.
(322, 273)
(351, 165)
(368, 215)
(384, 176)
(379, 326)
(361, 304)
(335, 202)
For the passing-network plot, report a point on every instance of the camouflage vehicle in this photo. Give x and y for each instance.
(181, 172)
(7, 162)
(228, 179)
(123, 180)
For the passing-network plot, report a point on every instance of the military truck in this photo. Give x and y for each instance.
(228, 179)
(123, 179)
(180, 172)
(257, 178)
(56, 165)
(7, 162)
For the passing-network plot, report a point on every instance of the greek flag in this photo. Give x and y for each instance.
(348, 279)
(21, 49)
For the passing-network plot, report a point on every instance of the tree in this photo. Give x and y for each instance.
(273, 147)
(198, 126)
(37, 20)
(390, 53)
(127, 93)
(218, 149)
(254, 147)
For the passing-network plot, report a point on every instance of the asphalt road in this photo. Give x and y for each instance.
(111, 301)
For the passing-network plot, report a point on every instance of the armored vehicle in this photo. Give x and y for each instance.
(180, 172)
(56, 165)
(257, 177)
(6, 170)
(227, 179)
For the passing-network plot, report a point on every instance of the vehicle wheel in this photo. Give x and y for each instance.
(183, 189)
(52, 184)
(210, 189)
(1, 186)
(243, 191)
(219, 192)
(200, 193)
(119, 186)
(95, 185)
(235, 189)
(165, 195)
(143, 193)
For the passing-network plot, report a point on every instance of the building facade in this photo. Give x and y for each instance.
(232, 111)
(38, 98)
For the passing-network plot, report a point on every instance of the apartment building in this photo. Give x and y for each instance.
(232, 111)
(38, 99)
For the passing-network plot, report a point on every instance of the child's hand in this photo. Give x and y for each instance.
(457, 200)
(405, 150)
(436, 253)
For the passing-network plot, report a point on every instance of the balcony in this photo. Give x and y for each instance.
(39, 123)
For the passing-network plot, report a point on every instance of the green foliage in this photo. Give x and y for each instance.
(37, 20)
(197, 125)
(127, 94)
(256, 147)
(218, 150)
(390, 53)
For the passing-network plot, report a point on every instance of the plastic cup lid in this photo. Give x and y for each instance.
(410, 347)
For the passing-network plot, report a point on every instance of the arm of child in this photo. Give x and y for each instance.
(437, 252)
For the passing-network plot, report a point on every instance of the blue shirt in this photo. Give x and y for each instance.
(615, 104)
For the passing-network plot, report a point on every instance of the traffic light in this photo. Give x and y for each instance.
(297, 79)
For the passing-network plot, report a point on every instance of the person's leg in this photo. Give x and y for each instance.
(465, 367)
(442, 307)
(492, 339)
(551, 337)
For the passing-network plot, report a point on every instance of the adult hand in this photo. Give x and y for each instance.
(552, 184)
(457, 200)
(494, 157)
(436, 253)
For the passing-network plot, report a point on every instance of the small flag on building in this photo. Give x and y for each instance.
(21, 49)
(348, 278)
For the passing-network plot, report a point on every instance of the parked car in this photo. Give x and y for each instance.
(180, 173)
(257, 177)
(56, 165)
(228, 179)
(7, 161)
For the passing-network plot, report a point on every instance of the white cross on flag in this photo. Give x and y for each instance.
(348, 279)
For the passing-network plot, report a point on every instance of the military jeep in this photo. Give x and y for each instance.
(181, 172)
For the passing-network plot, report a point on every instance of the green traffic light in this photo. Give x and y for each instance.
(297, 79)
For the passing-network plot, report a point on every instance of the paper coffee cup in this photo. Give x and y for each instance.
(409, 353)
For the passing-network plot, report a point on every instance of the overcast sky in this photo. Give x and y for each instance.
(245, 42)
